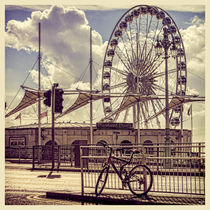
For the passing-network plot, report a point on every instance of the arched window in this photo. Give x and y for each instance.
(101, 142)
(49, 143)
(125, 142)
(102, 151)
(148, 146)
(128, 147)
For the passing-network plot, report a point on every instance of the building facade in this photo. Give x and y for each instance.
(68, 134)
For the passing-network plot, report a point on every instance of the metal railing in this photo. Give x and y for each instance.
(21, 153)
(64, 156)
(177, 168)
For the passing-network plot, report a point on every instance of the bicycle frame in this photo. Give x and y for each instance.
(126, 177)
(118, 172)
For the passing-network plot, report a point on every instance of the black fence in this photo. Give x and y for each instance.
(65, 156)
(178, 168)
(21, 153)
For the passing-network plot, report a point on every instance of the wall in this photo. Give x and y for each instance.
(65, 135)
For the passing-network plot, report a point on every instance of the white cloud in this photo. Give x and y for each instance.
(64, 41)
(197, 21)
(194, 43)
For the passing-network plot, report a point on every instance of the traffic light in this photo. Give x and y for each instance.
(47, 96)
(58, 100)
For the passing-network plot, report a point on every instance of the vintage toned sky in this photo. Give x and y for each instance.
(65, 51)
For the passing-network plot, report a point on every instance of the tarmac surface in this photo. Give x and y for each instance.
(24, 186)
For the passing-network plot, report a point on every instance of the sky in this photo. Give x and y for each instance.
(65, 53)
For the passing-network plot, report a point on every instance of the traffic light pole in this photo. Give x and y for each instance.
(53, 124)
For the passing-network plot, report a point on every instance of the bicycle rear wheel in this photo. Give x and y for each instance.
(101, 182)
(140, 180)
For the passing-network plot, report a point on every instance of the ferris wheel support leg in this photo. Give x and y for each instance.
(138, 123)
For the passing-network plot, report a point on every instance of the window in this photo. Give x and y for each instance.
(126, 150)
(17, 142)
(148, 146)
(102, 151)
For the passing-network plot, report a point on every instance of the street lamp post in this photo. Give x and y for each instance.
(165, 43)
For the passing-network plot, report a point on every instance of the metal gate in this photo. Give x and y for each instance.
(182, 172)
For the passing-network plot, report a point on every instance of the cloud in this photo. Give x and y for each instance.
(64, 41)
(197, 21)
(194, 43)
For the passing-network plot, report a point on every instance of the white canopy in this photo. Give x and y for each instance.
(30, 97)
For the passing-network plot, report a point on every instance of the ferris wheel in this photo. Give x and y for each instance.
(135, 63)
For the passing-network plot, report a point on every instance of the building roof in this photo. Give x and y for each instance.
(57, 125)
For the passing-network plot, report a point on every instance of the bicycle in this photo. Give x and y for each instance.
(139, 179)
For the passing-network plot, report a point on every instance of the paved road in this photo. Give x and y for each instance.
(15, 197)
(26, 187)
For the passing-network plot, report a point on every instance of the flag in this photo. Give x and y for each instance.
(44, 114)
(189, 112)
(18, 117)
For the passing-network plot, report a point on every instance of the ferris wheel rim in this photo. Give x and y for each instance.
(117, 26)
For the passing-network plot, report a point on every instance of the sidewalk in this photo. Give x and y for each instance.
(66, 185)
(127, 199)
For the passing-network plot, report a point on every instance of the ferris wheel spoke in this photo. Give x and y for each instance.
(160, 31)
(127, 56)
(123, 84)
(119, 104)
(146, 60)
(131, 43)
(158, 87)
(147, 31)
(123, 100)
(146, 108)
(150, 61)
(143, 52)
(156, 29)
(170, 71)
(152, 68)
(155, 111)
(159, 102)
(119, 71)
(123, 61)
(138, 45)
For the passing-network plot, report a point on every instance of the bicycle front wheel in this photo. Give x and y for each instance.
(101, 182)
(140, 180)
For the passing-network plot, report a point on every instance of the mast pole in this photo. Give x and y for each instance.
(39, 88)
(91, 103)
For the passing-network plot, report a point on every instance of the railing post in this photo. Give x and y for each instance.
(144, 163)
(82, 177)
(33, 161)
(199, 155)
(158, 160)
(59, 158)
(19, 153)
(71, 156)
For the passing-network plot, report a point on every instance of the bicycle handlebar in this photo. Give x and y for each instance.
(134, 151)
